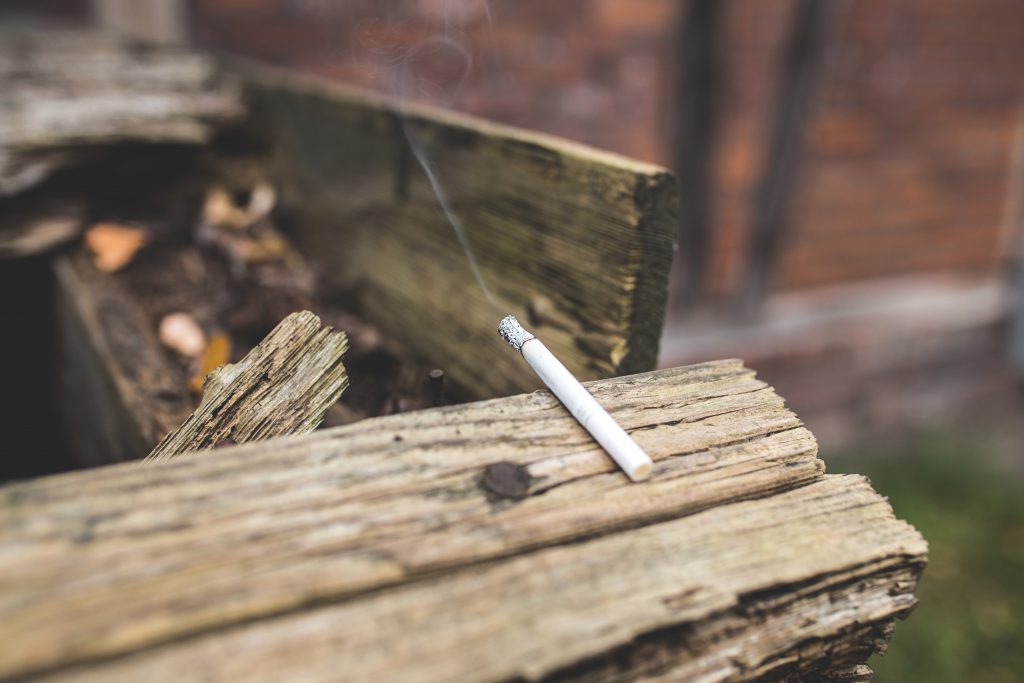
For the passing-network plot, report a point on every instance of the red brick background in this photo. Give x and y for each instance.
(591, 70)
(908, 155)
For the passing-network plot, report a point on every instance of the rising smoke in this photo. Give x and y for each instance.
(420, 53)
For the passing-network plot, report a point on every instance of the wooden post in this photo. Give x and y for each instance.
(581, 234)
(486, 542)
(696, 93)
(800, 69)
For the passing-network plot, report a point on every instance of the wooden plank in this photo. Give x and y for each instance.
(579, 238)
(733, 593)
(123, 562)
(70, 93)
(283, 386)
(119, 393)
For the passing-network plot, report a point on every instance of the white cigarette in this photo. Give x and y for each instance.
(583, 406)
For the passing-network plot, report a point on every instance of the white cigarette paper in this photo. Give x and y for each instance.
(583, 406)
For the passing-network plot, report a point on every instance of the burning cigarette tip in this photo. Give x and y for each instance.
(512, 332)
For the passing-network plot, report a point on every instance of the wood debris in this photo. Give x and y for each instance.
(240, 226)
(68, 94)
(220, 211)
(283, 386)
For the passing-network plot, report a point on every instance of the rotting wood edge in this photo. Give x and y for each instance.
(581, 493)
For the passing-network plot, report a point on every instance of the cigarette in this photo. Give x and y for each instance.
(583, 406)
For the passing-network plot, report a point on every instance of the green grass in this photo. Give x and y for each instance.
(969, 623)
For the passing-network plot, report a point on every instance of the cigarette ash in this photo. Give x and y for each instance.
(513, 333)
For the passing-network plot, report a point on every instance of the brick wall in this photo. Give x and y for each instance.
(591, 70)
(907, 162)
(908, 155)
(908, 169)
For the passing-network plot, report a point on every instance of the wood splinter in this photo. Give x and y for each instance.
(283, 386)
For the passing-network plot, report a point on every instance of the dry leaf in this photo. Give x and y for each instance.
(263, 248)
(216, 354)
(113, 245)
(182, 334)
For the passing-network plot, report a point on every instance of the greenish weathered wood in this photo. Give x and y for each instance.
(283, 386)
(577, 237)
(484, 542)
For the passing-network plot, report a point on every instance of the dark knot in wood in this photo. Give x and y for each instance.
(505, 481)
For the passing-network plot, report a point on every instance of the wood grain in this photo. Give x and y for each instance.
(283, 386)
(739, 603)
(575, 240)
(481, 542)
(69, 93)
(119, 392)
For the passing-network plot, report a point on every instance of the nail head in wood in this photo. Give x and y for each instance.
(506, 481)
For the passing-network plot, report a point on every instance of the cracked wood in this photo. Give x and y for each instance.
(283, 386)
(386, 548)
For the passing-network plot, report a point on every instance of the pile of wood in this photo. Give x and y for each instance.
(487, 541)
(69, 94)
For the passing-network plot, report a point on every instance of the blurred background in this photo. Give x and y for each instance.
(852, 220)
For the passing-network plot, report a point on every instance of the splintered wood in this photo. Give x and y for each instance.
(575, 241)
(283, 386)
(492, 541)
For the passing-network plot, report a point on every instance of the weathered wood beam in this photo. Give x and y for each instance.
(67, 94)
(283, 386)
(486, 542)
(577, 237)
